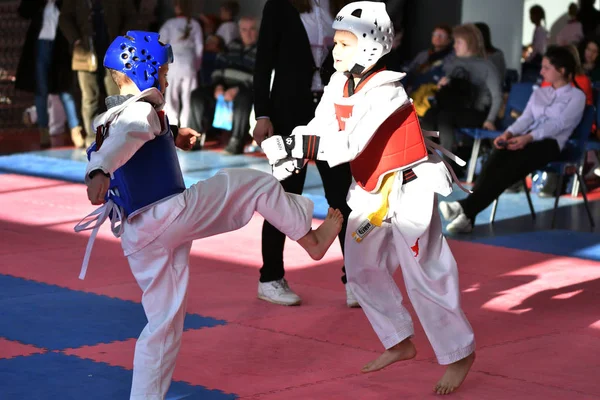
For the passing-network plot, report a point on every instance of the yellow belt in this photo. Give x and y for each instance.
(376, 218)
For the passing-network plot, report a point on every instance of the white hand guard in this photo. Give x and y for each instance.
(285, 168)
(274, 148)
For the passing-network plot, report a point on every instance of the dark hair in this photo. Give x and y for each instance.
(561, 57)
(232, 6)
(444, 27)
(487, 36)
(584, 44)
(539, 11)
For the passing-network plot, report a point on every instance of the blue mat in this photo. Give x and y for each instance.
(53, 376)
(69, 165)
(57, 318)
(558, 242)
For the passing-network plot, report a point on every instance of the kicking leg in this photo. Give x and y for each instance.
(227, 201)
(317, 242)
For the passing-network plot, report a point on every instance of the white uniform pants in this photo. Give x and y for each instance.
(412, 239)
(223, 203)
(178, 96)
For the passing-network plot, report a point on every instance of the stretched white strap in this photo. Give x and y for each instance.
(98, 216)
(434, 146)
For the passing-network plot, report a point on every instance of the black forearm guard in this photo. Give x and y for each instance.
(310, 146)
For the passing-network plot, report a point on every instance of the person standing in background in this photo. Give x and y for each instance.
(228, 28)
(45, 66)
(293, 41)
(572, 32)
(94, 24)
(184, 34)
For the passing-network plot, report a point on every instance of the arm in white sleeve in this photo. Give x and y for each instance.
(525, 120)
(324, 122)
(344, 146)
(136, 125)
(567, 120)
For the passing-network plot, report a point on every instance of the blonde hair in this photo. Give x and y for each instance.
(119, 78)
(472, 36)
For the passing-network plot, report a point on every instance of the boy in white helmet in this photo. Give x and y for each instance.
(366, 118)
(134, 174)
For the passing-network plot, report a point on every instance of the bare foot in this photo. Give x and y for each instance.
(404, 350)
(455, 375)
(317, 242)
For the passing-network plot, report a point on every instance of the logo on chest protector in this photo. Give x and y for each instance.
(289, 141)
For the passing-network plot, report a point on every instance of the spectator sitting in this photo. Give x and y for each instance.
(590, 61)
(231, 78)
(581, 80)
(470, 94)
(535, 139)
(427, 65)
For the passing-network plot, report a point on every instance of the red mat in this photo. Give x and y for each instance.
(535, 316)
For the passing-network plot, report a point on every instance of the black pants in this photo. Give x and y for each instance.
(504, 168)
(336, 182)
(202, 112)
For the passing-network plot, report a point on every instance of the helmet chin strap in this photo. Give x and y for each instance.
(352, 86)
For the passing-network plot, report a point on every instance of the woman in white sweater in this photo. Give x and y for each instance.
(184, 34)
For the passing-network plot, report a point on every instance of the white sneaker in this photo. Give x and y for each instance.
(450, 211)
(460, 224)
(351, 301)
(278, 292)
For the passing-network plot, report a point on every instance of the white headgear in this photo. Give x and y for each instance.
(371, 24)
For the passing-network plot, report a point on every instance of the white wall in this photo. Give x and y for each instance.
(504, 18)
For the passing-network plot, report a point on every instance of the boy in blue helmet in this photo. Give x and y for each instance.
(133, 172)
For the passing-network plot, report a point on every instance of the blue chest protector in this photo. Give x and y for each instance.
(152, 174)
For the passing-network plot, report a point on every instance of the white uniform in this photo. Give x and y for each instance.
(157, 241)
(183, 72)
(411, 234)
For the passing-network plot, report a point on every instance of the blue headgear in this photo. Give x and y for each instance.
(139, 55)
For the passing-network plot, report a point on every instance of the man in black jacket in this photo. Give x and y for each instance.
(285, 48)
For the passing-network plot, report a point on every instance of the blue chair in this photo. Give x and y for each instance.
(592, 144)
(517, 100)
(569, 163)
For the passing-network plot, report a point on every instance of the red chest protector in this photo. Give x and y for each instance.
(397, 144)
